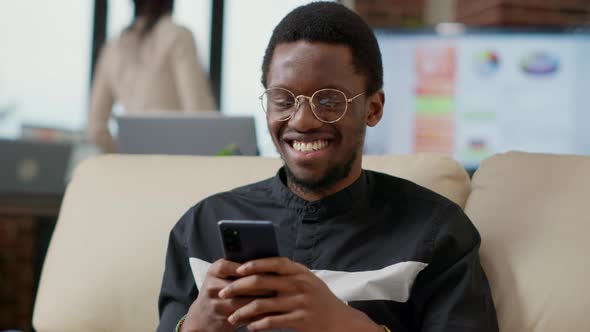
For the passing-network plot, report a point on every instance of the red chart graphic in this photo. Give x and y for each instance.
(435, 99)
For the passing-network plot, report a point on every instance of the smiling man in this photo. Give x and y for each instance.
(362, 251)
(319, 137)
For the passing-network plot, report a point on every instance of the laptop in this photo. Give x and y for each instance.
(200, 133)
(33, 167)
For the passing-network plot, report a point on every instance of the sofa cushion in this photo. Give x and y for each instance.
(532, 213)
(106, 258)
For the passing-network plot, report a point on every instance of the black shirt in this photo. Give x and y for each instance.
(401, 253)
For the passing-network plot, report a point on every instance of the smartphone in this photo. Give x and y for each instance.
(246, 240)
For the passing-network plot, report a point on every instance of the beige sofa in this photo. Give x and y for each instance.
(105, 261)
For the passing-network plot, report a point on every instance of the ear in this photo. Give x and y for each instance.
(375, 108)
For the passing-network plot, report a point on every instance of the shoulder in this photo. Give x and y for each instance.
(439, 217)
(109, 48)
(244, 194)
(167, 26)
(119, 46)
(107, 58)
(225, 205)
(394, 188)
(250, 192)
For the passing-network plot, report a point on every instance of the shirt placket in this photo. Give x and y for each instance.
(307, 235)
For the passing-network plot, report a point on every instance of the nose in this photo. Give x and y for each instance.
(304, 120)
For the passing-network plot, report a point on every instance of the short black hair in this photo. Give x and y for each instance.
(333, 23)
(153, 10)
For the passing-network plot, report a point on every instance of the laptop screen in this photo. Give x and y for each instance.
(33, 167)
(205, 133)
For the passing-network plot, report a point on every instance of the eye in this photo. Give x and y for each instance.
(283, 102)
(328, 102)
(278, 99)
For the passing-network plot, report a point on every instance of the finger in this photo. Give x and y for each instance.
(289, 321)
(212, 286)
(275, 265)
(256, 285)
(262, 307)
(226, 307)
(224, 269)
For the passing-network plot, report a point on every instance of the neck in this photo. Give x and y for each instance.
(316, 194)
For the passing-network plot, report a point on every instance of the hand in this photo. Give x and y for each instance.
(303, 302)
(209, 312)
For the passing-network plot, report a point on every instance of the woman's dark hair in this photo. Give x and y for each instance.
(330, 22)
(152, 10)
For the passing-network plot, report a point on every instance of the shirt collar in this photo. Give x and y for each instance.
(348, 199)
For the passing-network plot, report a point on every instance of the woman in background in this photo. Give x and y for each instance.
(151, 67)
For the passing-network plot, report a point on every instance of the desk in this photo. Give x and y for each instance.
(26, 224)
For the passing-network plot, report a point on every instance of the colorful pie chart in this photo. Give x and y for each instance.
(487, 63)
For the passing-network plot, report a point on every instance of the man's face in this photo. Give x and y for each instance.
(334, 160)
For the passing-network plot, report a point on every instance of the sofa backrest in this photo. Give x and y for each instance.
(105, 262)
(532, 213)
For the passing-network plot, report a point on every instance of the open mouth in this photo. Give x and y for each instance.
(311, 146)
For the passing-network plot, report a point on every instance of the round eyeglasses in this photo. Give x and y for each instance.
(327, 105)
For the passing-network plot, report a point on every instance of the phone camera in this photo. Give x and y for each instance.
(231, 238)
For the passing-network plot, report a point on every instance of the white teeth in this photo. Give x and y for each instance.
(310, 146)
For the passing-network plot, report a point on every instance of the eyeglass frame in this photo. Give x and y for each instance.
(312, 105)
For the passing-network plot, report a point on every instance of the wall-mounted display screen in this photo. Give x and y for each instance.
(484, 92)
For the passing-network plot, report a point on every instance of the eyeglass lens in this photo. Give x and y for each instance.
(328, 104)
